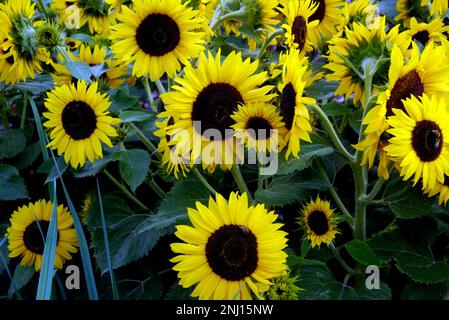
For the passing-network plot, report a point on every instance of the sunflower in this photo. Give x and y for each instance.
(420, 143)
(255, 125)
(408, 9)
(85, 208)
(319, 221)
(171, 159)
(361, 11)
(292, 102)
(426, 33)
(19, 49)
(425, 73)
(158, 36)
(356, 46)
(298, 27)
(284, 288)
(206, 97)
(328, 16)
(232, 249)
(437, 7)
(206, 10)
(29, 226)
(79, 121)
(96, 15)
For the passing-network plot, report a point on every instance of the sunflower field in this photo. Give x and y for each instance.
(224, 150)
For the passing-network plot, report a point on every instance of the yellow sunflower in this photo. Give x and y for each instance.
(85, 208)
(204, 100)
(292, 103)
(442, 189)
(259, 126)
(437, 7)
(355, 46)
(298, 27)
(328, 15)
(158, 37)
(423, 73)
(20, 56)
(171, 159)
(231, 251)
(426, 33)
(319, 221)
(206, 10)
(361, 11)
(408, 9)
(96, 15)
(29, 226)
(79, 121)
(420, 143)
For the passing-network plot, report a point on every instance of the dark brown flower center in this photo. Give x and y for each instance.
(320, 11)
(299, 31)
(318, 222)
(231, 252)
(427, 140)
(214, 106)
(34, 236)
(410, 84)
(79, 120)
(158, 34)
(288, 105)
(422, 37)
(259, 128)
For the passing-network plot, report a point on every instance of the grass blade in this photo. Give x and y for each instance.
(3, 260)
(106, 246)
(48, 258)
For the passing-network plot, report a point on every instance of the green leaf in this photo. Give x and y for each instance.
(41, 83)
(134, 166)
(412, 205)
(22, 275)
(150, 289)
(335, 109)
(81, 37)
(49, 167)
(285, 190)
(91, 169)
(12, 142)
(417, 291)
(383, 293)
(122, 100)
(3, 251)
(136, 116)
(12, 186)
(321, 89)
(79, 70)
(412, 257)
(362, 253)
(27, 157)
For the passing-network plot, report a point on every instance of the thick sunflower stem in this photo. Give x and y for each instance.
(151, 147)
(376, 189)
(160, 87)
(327, 125)
(266, 43)
(125, 191)
(146, 85)
(235, 171)
(340, 260)
(361, 172)
(204, 181)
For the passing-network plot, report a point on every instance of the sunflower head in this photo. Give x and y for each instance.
(360, 11)
(284, 288)
(79, 121)
(319, 221)
(408, 9)
(231, 250)
(420, 140)
(85, 207)
(426, 33)
(50, 35)
(29, 226)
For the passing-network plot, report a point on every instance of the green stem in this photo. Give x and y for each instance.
(327, 125)
(146, 85)
(235, 171)
(239, 15)
(340, 259)
(24, 110)
(204, 181)
(344, 123)
(155, 187)
(125, 191)
(361, 172)
(334, 193)
(160, 87)
(151, 147)
(376, 189)
(266, 43)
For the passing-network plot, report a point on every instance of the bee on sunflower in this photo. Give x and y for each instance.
(79, 121)
(355, 47)
(422, 73)
(232, 251)
(205, 98)
(419, 143)
(319, 221)
(157, 36)
(28, 229)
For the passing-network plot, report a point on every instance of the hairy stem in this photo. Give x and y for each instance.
(204, 181)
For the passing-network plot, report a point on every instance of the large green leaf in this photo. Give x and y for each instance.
(412, 257)
(362, 253)
(412, 205)
(134, 166)
(12, 142)
(41, 83)
(79, 70)
(22, 275)
(12, 186)
(122, 100)
(27, 157)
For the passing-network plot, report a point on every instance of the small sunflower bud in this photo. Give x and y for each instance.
(49, 35)
(284, 288)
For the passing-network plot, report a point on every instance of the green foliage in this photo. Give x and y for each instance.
(12, 186)
(134, 166)
(362, 253)
(79, 70)
(122, 100)
(12, 142)
(22, 275)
